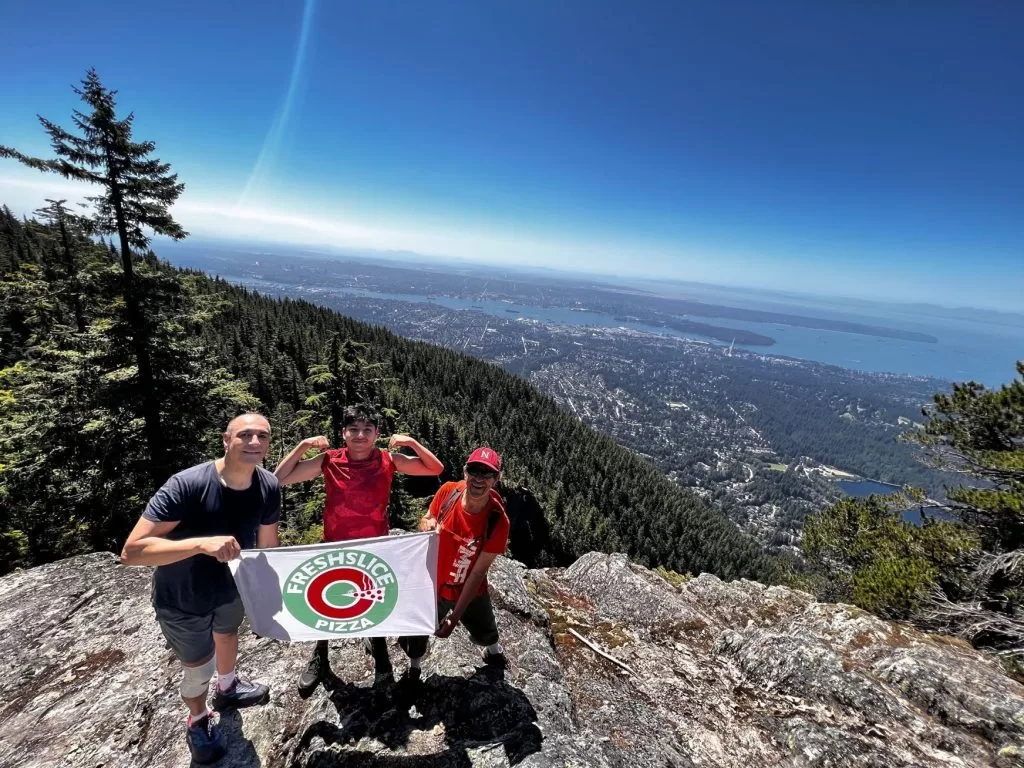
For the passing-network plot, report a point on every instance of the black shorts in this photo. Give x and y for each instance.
(478, 620)
(190, 636)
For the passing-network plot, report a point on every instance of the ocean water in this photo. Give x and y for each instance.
(965, 349)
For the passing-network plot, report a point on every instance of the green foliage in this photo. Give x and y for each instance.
(76, 470)
(291, 537)
(673, 578)
(137, 191)
(875, 559)
(965, 576)
(980, 432)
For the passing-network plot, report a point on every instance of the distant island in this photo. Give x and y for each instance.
(620, 302)
(717, 332)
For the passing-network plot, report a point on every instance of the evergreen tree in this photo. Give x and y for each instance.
(76, 472)
(967, 576)
(138, 191)
(872, 557)
(68, 225)
(979, 432)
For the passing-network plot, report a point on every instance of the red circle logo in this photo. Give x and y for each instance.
(362, 594)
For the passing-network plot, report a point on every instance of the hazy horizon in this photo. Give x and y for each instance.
(854, 151)
(412, 258)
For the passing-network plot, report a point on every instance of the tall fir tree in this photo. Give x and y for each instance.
(137, 192)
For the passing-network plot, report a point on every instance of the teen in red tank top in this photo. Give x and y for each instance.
(357, 499)
(357, 495)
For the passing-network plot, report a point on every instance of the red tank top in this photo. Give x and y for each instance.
(357, 507)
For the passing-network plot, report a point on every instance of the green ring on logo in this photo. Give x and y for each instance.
(352, 591)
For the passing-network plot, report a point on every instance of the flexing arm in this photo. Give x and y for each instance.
(147, 545)
(424, 463)
(468, 594)
(292, 470)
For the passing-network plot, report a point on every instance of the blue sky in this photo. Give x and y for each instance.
(839, 147)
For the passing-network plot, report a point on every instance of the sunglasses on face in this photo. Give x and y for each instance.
(481, 472)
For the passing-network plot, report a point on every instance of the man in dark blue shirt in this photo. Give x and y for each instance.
(201, 518)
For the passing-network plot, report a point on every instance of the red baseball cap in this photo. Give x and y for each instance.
(486, 456)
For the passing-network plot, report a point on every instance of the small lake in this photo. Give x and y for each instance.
(861, 489)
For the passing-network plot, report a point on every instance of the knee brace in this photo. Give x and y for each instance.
(195, 681)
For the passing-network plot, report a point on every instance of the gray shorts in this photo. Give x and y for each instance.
(190, 636)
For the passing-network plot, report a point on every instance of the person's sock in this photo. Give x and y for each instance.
(193, 719)
(225, 681)
(494, 649)
(415, 663)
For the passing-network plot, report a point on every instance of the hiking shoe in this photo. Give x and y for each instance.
(315, 671)
(495, 660)
(242, 693)
(205, 741)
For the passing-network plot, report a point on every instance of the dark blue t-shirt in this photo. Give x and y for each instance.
(203, 506)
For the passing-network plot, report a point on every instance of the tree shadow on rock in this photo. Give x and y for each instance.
(479, 711)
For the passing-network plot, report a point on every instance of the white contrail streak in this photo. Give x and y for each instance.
(272, 143)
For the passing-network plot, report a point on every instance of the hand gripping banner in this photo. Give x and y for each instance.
(362, 588)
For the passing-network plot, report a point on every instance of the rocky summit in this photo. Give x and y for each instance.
(609, 665)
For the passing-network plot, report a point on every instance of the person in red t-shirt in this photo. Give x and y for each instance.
(470, 519)
(357, 479)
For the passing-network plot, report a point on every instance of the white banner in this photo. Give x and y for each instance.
(362, 588)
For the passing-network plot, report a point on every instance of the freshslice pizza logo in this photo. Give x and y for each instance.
(344, 591)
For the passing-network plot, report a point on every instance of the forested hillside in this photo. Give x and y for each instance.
(77, 469)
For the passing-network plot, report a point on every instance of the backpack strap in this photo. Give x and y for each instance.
(497, 509)
(448, 504)
(492, 518)
(492, 522)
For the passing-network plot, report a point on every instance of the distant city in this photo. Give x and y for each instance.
(768, 406)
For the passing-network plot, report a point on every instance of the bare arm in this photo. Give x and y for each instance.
(266, 537)
(424, 463)
(468, 594)
(147, 545)
(292, 470)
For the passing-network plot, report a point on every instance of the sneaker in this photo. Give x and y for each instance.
(316, 670)
(205, 741)
(495, 660)
(242, 693)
